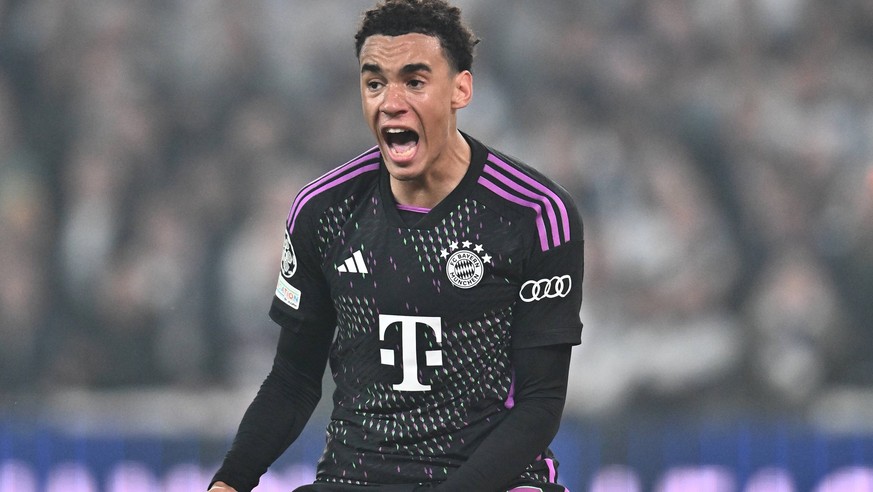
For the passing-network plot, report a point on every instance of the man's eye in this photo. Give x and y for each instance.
(415, 84)
(374, 85)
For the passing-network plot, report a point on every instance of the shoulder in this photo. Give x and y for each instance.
(521, 187)
(335, 186)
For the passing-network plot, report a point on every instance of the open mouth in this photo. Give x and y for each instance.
(401, 142)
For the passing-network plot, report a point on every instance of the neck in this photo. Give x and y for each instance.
(427, 190)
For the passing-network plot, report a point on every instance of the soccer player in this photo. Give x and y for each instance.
(441, 279)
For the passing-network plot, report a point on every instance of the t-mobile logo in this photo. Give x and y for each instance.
(408, 344)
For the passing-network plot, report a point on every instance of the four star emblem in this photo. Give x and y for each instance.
(455, 245)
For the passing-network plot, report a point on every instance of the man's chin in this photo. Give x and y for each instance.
(404, 171)
(405, 174)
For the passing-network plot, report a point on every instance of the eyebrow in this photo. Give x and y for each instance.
(407, 69)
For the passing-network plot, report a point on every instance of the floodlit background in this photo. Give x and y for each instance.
(721, 153)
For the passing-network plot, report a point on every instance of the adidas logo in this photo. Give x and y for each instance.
(354, 264)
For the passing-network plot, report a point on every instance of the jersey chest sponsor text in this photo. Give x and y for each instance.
(408, 359)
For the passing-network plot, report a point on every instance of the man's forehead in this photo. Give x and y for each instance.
(381, 50)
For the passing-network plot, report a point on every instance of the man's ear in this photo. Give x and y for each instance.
(463, 92)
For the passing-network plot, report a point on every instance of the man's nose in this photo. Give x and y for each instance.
(394, 101)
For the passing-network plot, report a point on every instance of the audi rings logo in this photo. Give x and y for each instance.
(546, 288)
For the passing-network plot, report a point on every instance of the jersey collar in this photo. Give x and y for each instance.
(478, 153)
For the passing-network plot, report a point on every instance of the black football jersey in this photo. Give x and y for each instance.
(426, 315)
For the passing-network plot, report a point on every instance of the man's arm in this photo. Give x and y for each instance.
(279, 412)
(541, 376)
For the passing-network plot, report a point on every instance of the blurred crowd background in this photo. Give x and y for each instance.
(721, 153)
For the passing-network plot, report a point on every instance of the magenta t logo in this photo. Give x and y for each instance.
(408, 343)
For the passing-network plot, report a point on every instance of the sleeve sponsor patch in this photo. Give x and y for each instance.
(287, 293)
(546, 288)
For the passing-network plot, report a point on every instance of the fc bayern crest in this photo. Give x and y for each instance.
(465, 266)
(289, 259)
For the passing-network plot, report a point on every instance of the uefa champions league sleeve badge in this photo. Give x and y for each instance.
(465, 263)
(286, 292)
(289, 259)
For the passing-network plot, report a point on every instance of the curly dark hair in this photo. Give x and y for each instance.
(431, 17)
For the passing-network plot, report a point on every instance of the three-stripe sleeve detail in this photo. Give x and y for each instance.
(367, 162)
(551, 216)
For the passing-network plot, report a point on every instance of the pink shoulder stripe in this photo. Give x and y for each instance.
(362, 164)
(553, 221)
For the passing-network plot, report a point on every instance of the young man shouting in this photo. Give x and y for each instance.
(442, 280)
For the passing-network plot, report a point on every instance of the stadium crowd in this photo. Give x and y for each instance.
(721, 152)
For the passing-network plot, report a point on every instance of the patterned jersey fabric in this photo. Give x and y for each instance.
(427, 314)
